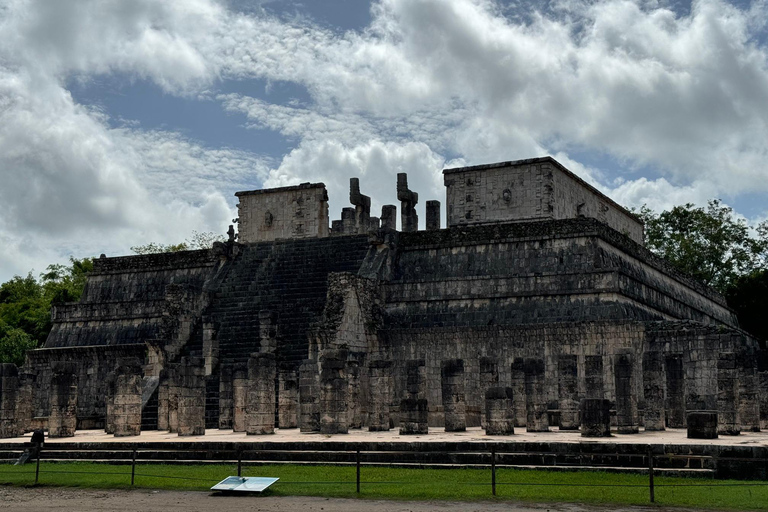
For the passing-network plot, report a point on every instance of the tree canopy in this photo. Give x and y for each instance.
(198, 240)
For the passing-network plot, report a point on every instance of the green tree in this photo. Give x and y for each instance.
(709, 244)
(198, 240)
(748, 296)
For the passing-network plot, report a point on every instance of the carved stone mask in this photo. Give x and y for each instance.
(268, 218)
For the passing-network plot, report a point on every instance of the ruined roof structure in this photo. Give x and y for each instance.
(539, 289)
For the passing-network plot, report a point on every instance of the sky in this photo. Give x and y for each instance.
(125, 123)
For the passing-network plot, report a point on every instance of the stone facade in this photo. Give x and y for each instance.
(534, 307)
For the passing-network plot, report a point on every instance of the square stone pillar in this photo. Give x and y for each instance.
(595, 414)
(433, 215)
(749, 394)
(727, 395)
(239, 394)
(536, 396)
(593, 376)
(380, 382)
(499, 412)
(25, 402)
(166, 382)
(333, 392)
(518, 389)
(389, 216)
(127, 399)
(675, 381)
(288, 398)
(626, 400)
(62, 421)
(9, 397)
(309, 397)
(109, 403)
(454, 405)
(414, 416)
(226, 403)
(191, 397)
(354, 406)
(653, 390)
(702, 424)
(568, 391)
(489, 378)
(415, 378)
(260, 398)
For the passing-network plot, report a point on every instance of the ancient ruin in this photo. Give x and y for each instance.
(537, 307)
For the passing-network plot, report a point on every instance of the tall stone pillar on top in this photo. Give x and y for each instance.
(127, 399)
(727, 395)
(380, 384)
(518, 390)
(62, 421)
(389, 216)
(454, 405)
(191, 397)
(309, 397)
(409, 220)
(535, 392)
(239, 396)
(288, 397)
(653, 390)
(333, 392)
(362, 205)
(568, 391)
(489, 378)
(675, 404)
(626, 400)
(260, 395)
(9, 399)
(433, 215)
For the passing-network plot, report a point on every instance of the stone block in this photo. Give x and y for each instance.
(595, 416)
(414, 416)
(702, 424)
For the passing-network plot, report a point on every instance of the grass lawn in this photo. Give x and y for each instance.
(410, 484)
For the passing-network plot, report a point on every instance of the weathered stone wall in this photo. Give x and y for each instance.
(524, 190)
(283, 213)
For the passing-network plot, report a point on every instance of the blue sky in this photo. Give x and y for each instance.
(124, 123)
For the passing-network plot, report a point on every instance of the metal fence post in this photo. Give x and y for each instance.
(37, 465)
(239, 462)
(133, 467)
(493, 471)
(358, 471)
(650, 473)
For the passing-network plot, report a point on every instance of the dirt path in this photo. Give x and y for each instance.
(88, 500)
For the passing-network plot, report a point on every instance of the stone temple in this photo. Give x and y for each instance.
(537, 306)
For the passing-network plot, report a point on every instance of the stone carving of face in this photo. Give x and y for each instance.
(507, 195)
(268, 218)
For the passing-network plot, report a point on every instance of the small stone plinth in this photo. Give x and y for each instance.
(702, 424)
(499, 412)
(595, 416)
(414, 416)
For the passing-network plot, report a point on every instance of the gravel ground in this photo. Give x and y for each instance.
(88, 500)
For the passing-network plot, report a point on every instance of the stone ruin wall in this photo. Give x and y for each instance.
(525, 190)
(283, 213)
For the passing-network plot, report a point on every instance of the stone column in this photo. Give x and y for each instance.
(595, 416)
(536, 396)
(568, 391)
(389, 216)
(9, 396)
(414, 416)
(225, 397)
(354, 407)
(267, 331)
(163, 399)
(309, 397)
(408, 218)
(489, 378)
(499, 412)
(109, 403)
(749, 395)
(380, 383)
(191, 397)
(653, 390)
(763, 387)
(433, 215)
(416, 378)
(454, 405)
(727, 395)
(288, 398)
(239, 396)
(62, 421)
(626, 400)
(175, 384)
(362, 206)
(25, 402)
(127, 401)
(593, 376)
(260, 397)
(518, 389)
(675, 391)
(333, 392)
(348, 221)
(702, 424)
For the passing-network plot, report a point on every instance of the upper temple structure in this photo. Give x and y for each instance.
(536, 306)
